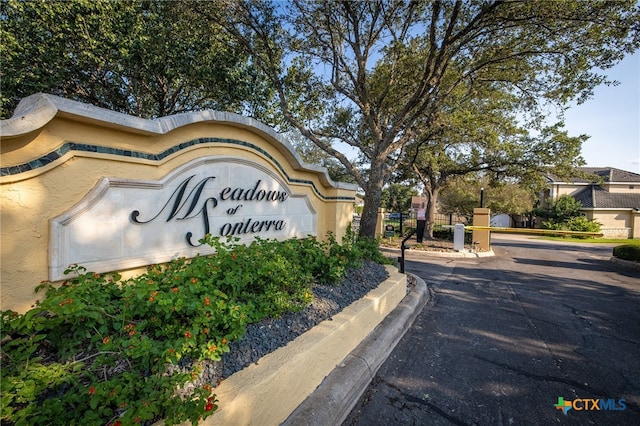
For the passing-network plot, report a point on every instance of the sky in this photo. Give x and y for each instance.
(612, 119)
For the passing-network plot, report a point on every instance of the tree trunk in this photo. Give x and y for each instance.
(432, 198)
(373, 192)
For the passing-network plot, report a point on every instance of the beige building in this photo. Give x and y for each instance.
(608, 195)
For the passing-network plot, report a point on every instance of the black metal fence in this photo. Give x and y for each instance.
(410, 221)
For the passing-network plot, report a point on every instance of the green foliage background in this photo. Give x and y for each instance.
(143, 58)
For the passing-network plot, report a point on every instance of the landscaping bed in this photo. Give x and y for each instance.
(442, 241)
(629, 252)
(97, 350)
(270, 334)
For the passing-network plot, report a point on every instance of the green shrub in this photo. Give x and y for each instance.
(443, 234)
(576, 223)
(565, 208)
(582, 224)
(97, 350)
(627, 252)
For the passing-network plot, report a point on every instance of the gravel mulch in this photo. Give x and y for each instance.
(268, 335)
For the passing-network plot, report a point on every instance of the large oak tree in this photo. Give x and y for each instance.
(477, 134)
(377, 75)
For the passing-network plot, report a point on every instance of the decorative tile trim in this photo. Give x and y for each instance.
(83, 147)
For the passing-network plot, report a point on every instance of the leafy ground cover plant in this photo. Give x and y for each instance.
(98, 350)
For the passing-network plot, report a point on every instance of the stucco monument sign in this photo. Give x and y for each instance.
(83, 185)
(127, 223)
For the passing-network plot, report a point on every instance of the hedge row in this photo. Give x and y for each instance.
(627, 252)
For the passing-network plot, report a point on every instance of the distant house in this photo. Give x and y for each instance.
(610, 196)
(357, 207)
(418, 203)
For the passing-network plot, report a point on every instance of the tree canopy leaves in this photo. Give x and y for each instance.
(147, 58)
(462, 195)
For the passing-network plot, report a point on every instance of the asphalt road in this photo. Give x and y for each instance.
(504, 337)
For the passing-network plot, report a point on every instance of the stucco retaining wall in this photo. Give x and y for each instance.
(267, 392)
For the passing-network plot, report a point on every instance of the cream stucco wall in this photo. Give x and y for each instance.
(571, 189)
(560, 190)
(42, 129)
(616, 223)
(635, 229)
(623, 188)
(619, 218)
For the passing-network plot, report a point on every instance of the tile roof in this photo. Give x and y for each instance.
(607, 174)
(618, 175)
(596, 197)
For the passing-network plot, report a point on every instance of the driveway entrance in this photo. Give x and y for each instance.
(507, 338)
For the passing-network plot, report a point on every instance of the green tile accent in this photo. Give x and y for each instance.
(83, 147)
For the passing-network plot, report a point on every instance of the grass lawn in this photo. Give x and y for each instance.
(593, 240)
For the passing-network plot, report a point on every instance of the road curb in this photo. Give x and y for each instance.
(335, 397)
(430, 253)
(626, 263)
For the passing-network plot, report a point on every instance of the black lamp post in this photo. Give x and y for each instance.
(481, 197)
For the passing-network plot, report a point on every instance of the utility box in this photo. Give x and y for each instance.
(458, 237)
